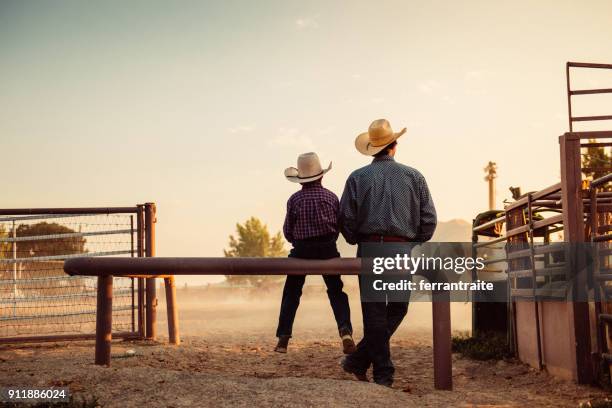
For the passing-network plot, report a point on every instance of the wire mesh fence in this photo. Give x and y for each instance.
(37, 298)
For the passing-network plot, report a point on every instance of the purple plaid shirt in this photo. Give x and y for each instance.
(311, 212)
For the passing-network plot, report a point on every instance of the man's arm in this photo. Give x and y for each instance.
(288, 225)
(347, 217)
(428, 213)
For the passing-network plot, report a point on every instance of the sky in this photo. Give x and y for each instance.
(199, 106)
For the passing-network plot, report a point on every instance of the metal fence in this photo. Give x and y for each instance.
(38, 301)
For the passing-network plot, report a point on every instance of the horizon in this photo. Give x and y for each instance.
(151, 101)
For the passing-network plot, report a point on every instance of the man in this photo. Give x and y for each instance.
(384, 201)
(311, 226)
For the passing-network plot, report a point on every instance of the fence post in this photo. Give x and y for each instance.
(141, 282)
(104, 319)
(443, 363)
(151, 295)
(173, 325)
(573, 231)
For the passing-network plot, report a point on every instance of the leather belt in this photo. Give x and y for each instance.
(385, 238)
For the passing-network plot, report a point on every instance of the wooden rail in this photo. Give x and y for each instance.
(107, 268)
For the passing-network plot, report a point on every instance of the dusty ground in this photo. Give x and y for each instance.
(226, 359)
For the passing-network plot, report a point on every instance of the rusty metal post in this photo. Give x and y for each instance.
(104, 320)
(141, 283)
(443, 363)
(151, 290)
(173, 321)
(574, 232)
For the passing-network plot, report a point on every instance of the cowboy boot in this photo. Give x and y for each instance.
(283, 343)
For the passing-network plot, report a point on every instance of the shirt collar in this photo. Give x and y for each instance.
(312, 184)
(383, 158)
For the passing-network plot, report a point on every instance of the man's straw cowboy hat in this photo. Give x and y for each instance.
(308, 169)
(378, 136)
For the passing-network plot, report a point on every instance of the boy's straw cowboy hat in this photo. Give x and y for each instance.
(378, 136)
(308, 169)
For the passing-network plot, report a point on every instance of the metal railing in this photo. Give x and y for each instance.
(106, 269)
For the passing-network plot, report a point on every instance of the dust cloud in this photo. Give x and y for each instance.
(234, 313)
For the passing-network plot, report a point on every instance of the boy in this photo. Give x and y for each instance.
(311, 226)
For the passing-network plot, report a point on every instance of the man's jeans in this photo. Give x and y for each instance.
(291, 300)
(380, 321)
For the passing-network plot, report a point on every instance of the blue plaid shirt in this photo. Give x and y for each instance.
(311, 212)
(387, 198)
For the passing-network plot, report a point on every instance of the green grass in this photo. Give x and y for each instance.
(487, 346)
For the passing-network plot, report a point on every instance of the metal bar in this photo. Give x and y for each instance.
(151, 296)
(535, 196)
(66, 235)
(104, 320)
(591, 118)
(91, 294)
(490, 242)
(540, 293)
(440, 308)
(63, 337)
(210, 266)
(62, 257)
(34, 317)
(555, 219)
(71, 211)
(569, 95)
(602, 238)
(598, 144)
(589, 134)
(489, 224)
(538, 250)
(551, 270)
(588, 65)
(601, 181)
(591, 91)
(492, 261)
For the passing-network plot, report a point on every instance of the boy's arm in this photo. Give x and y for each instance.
(347, 216)
(288, 225)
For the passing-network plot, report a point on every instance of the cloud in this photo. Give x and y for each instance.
(241, 129)
(305, 23)
(448, 99)
(428, 86)
(291, 137)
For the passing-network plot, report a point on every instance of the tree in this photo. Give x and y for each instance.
(5, 247)
(254, 240)
(48, 247)
(596, 162)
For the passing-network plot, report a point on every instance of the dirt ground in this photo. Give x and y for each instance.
(226, 359)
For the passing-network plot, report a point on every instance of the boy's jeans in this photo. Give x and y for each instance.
(314, 248)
